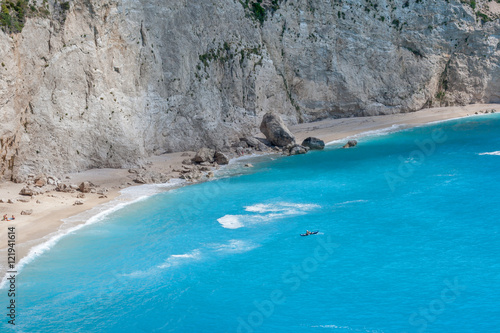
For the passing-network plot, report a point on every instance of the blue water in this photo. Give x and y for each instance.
(409, 242)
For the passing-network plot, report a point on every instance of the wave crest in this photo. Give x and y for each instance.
(265, 213)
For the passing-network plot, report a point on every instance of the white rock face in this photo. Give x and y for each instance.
(117, 80)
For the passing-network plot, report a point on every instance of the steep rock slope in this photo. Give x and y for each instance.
(105, 83)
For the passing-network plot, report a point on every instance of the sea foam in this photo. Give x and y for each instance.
(497, 153)
(265, 213)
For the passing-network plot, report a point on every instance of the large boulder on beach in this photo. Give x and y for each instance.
(204, 155)
(350, 144)
(314, 143)
(275, 130)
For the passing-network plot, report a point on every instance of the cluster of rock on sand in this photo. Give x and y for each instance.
(279, 139)
(278, 135)
(41, 184)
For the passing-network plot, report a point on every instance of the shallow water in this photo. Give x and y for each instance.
(408, 242)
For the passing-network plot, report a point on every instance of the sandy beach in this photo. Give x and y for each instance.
(50, 208)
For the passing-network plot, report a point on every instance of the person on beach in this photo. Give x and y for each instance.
(13, 218)
(5, 218)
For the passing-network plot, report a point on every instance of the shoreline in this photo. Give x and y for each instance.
(56, 215)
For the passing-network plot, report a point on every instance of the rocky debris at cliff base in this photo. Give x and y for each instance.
(27, 191)
(313, 143)
(40, 180)
(204, 155)
(221, 158)
(65, 188)
(298, 149)
(350, 144)
(251, 142)
(275, 130)
(149, 177)
(85, 187)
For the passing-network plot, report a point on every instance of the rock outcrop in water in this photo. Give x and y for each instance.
(314, 143)
(350, 144)
(105, 83)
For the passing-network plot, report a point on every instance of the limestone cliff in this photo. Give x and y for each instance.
(90, 83)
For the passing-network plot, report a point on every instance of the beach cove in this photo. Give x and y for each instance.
(46, 224)
(226, 255)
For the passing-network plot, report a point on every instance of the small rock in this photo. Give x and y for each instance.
(80, 195)
(240, 151)
(84, 187)
(140, 180)
(313, 143)
(103, 196)
(38, 202)
(73, 187)
(298, 149)
(251, 142)
(27, 191)
(204, 155)
(187, 161)
(185, 154)
(3, 200)
(221, 158)
(11, 201)
(93, 190)
(210, 174)
(78, 202)
(350, 143)
(27, 212)
(102, 191)
(41, 182)
(23, 199)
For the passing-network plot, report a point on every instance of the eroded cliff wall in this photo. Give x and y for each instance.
(106, 83)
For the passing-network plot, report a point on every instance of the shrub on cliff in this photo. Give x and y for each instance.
(12, 15)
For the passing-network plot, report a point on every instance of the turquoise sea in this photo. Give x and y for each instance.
(409, 241)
